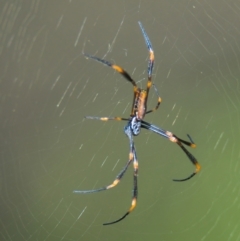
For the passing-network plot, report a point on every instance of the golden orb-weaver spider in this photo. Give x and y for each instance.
(136, 122)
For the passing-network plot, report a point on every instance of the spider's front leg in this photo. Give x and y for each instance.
(106, 118)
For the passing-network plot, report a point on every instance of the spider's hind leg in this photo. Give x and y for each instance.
(133, 157)
(113, 184)
(194, 161)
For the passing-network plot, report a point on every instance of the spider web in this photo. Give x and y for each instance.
(48, 149)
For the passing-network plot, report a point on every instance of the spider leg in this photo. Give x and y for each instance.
(135, 192)
(133, 156)
(180, 142)
(122, 72)
(187, 143)
(114, 183)
(118, 177)
(119, 69)
(106, 118)
(192, 159)
(151, 58)
(158, 103)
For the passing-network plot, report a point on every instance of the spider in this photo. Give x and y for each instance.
(134, 124)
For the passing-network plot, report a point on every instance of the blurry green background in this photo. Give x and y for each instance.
(48, 149)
